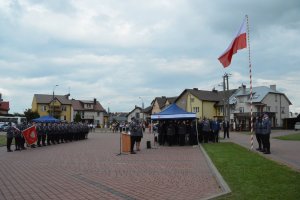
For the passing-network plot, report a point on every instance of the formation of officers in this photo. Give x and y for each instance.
(47, 134)
(181, 132)
(262, 131)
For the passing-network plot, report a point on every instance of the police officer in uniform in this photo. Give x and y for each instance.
(9, 137)
(133, 128)
(181, 133)
(258, 133)
(39, 134)
(266, 131)
(44, 133)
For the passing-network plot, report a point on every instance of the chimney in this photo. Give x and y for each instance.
(67, 95)
(195, 88)
(214, 90)
(244, 88)
(273, 87)
(95, 100)
(1, 97)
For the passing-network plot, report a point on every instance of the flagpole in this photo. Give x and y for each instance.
(250, 74)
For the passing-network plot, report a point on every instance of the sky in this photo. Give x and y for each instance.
(125, 53)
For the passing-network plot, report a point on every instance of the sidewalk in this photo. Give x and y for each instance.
(282, 151)
(91, 169)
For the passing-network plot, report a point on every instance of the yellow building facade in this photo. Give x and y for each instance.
(203, 103)
(59, 107)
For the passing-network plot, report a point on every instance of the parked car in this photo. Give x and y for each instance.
(3, 127)
(297, 126)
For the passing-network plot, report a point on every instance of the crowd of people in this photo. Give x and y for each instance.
(47, 134)
(183, 132)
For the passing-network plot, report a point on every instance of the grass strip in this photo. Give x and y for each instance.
(2, 140)
(251, 176)
(294, 137)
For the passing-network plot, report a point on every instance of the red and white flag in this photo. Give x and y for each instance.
(239, 42)
(30, 135)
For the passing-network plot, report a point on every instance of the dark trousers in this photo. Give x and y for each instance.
(193, 139)
(205, 136)
(22, 141)
(182, 139)
(132, 142)
(44, 139)
(226, 133)
(49, 139)
(259, 141)
(18, 142)
(200, 137)
(216, 136)
(266, 142)
(8, 143)
(39, 139)
(170, 139)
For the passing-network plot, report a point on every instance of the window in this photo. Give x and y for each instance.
(268, 109)
(98, 114)
(43, 108)
(241, 100)
(241, 109)
(282, 110)
(196, 109)
(63, 108)
(137, 115)
(221, 109)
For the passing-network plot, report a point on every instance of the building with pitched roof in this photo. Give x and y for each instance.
(90, 112)
(202, 102)
(137, 113)
(160, 102)
(265, 100)
(58, 106)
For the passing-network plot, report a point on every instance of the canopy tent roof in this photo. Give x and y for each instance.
(46, 119)
(173, 112)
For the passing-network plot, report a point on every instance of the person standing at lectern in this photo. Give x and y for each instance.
(133, 128)
(139, 136)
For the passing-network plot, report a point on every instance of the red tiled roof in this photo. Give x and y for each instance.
(78, 105)
(4, 105)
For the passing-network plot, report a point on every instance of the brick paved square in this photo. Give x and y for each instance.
(91, 169)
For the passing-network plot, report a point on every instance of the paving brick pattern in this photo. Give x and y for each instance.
(91, 169)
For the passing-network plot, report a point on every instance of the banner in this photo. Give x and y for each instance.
(30, 135)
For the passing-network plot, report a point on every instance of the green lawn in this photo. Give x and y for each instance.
(251, 176)
(2, 140)
(295, 136)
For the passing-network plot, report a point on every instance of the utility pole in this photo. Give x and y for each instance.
(226, 112)
(53, 100)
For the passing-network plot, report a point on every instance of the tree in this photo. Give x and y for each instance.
(30, 115)
(77, 118)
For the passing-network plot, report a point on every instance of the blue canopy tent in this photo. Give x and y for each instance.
(46, 119)
(173, 112)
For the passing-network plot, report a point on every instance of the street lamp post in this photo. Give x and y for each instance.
(142, 106)
(53, 100)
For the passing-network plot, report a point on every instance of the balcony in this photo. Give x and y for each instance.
(87, 116)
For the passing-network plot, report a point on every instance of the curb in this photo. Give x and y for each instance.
(222, 183)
